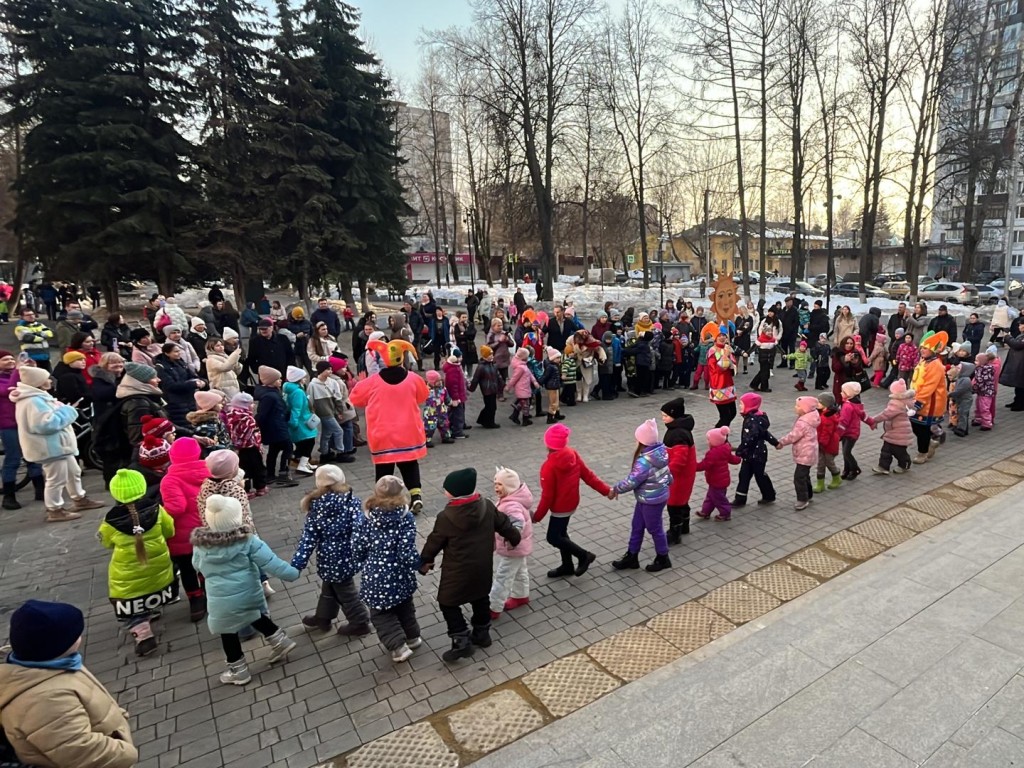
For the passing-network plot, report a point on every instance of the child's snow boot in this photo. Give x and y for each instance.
(10, 501)
(481, 635)
(836, 482)
(145, 643)
(280, 646)
(237, 673)
(461, 648)
(819, 486)
(660, 563)
(628, 560)
(551, 418)
(196, 606)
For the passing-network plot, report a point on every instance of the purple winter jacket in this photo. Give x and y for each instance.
(649, 478)
(8, 383)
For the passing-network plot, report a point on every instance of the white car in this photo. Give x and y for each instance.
(1016, 288)
(635, 274)
(948, 292)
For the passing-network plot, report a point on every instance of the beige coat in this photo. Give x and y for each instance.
(58, 719)
(223, 371)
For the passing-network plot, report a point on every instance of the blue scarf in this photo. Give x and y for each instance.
(72, 663)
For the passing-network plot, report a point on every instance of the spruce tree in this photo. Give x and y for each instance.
(104, 190)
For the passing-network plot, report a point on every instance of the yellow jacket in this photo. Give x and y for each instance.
(929, 385)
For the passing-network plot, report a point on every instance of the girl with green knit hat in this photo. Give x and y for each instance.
(141, 572)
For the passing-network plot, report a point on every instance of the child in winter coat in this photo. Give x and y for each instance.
(682, 464)
(878, 356)
(231, 558)
(437, 409)
(752, 450)
(715, 466)
(649, 479)
(206, 420)
(272, 418)
(552, 383)
(607, 389)
(822, 362)
(245, 439)
(464, 531)
(179, 490)
(455, 384)
(521, 384)
(333, 517)
(487, 379)
(302, 424)
(985, 378)
(569, 369)
(802, 364)
(828, 442)
(907, 357)
(851, 414)
(961, 397)
(804, 439)
(511, 586)
(560, 477)
(707, 341)
(384, 548)
(897, 434)
(140, 574)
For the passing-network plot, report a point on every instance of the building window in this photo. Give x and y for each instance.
(1020, 211)
(1017, 260)
(1018, 235)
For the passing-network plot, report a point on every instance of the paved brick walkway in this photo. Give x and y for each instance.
(331, 696)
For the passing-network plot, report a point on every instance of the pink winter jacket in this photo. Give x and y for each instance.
(895, 421)
(179, 489)
(518, 505)
(850, 417)
(804, 439)
(455, 382)
(520, 381)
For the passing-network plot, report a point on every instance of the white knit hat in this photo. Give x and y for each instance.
(223, 513)
(295, 375)
(507, 478)
(33, 377)
(230, 334)
(328, 475)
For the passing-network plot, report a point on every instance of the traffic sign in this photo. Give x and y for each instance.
(630, 258)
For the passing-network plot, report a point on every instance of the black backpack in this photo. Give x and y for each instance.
(109, 435)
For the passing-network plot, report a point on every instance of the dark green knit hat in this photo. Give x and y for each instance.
(461, 482)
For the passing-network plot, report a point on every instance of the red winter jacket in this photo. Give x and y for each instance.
(179, 489)
(455, 381)
(560, 476)
(850, 417)
(715, 465)
(682, 459)
(828, 432)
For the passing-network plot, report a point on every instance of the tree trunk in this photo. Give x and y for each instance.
(346, 291)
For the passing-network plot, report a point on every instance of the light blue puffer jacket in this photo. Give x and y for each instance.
(44, 424)
(298, 413)
(231, 562)
(649, 479)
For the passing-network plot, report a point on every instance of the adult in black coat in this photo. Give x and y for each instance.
(324, 314)
(269, 348)
(178, 385)
(868, 326)
(1013, 369)
(944, 321)
(559, 330)
(897, 319)
(520, 301)
(818, 324)
(472, 305)
(790, 330)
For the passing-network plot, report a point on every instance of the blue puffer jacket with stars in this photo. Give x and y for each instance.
(385, 549)
(331, 524)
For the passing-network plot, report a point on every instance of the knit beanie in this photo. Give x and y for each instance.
(185, 449)
(803, 344)
(750, 403)
(328, 475)
(827, 400)
(268, 376)
(522, 353)
(900, 333)
(647, 433)
(554, 354)
(338, 364)
(991, 351)
(295, 375)
(72, 356)
(44, 631)
(485, 351)
(507, 479)
(230, 334)
(138, 334)
(242, 400)
(154, 452)
(172, 328)
(155, 426)
(207, 400)
(322, 366)
(806, 404)
(223, 513)
(557, 437)
(718, 436)
(390, 487)
(850, 389)
(461, 482)
(674, 408)
(33, 377)
(298, 313)
(197, 323)
(433, 378)
(127, 486)
(898, 388)
(140, 371)
(4, 353)
(223, 464)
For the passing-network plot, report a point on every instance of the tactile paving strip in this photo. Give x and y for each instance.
(936, 506)
(740, 602)
(910, 518)
(984, 479)
(959, 495)
(853, 545)
(782, 581)
(494, 721)
(567, 684)
(415, 746)
(887, 533)
(817, 562)
(633, 653)
(1011, 467)
(690, 626)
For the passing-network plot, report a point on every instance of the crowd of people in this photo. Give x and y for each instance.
(192, 427)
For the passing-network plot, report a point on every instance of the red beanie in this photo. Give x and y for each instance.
(557, 437)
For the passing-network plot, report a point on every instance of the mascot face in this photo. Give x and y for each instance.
(724, 297)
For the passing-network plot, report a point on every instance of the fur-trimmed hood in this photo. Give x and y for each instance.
(204, 537)
(196, 418)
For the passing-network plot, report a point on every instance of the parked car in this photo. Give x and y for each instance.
(755, 277)
(888, 277)
(620, 276)
(799, 287)
(818, 281)
(987, 277)
(853, 290)
(896, 289)
(947, 291)
(636, 274)
(1016, 288)
(987, 294)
